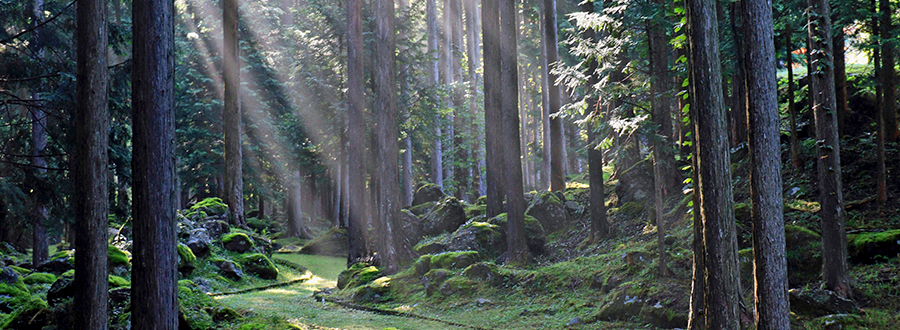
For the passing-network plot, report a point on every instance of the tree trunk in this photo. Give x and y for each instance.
(154, 293)
(517, 254)
(792, 110)
(828, 159)
(474, 56)
(545, 113)
(714, 179)
(880, 172)
(738, 81)
(388, 148)
(840, 79)
(769, 263)
(493, 116)
(261, 206)
(550, 43)
(888, 75)
(294, 202)
(460, 150)
(437, 153)
(91, 173)
(39, 248)
(661, 104)
(597, 204)
(356, 131)
(234, 180)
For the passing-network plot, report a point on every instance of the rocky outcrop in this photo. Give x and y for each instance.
(427, 193)
(550, 211)
(445, 216)
(819, 302)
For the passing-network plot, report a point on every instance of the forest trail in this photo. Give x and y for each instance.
(296, 304)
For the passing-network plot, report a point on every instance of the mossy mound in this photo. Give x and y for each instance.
(454, 260)
(549, 210)
(117, 257)
(118, 282)
(259, 265)
(40, 278)
(263, 225)
(212, 206)
(446, 216)
(376, 291)
(434, 244)
(459, 285)
(186, 259)
(333, 242)
(631, 209)
(358, 274)
(237, 241)
(804, 255)
(873, 247)
(535, 237)
(421, 209)
(200, 311)
(478, 236)
(486, 272)
(428, 192)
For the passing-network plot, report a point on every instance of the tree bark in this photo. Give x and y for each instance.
(769, 263)
(840, 79)
(517, 254)
(661, 104)
(39, 248)
(792, 110)
(880, 172)
(888, 75)
(550, 43)
(834, 237)
(597, 204)
(437, 153)
(739, 81)
(473, 53)
(493, 119)
(461, 127)
(356, 134)
(714, 179)
(388, 148)
(154, 293)
(294, 202)
(234, 180)
(91, 173)
(545, 115)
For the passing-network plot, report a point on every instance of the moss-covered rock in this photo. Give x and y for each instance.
(236, 241)
(30, 312)
(422, 265)
(631, 209)
(549, 210)
(627, 307)
(819, 303)
(199, 311)
(459, 285)
(40, 278)
(358, 274)
(427, 193)
(446, 216)
(454, 260)
(376, 291)
(333, 242)
(804, 255)
(477, 236)
(535, 237)
(259, 265)
(433, 279)
(228, 268)
(873, 247)
(117, 257)
(118, 282)
(486, 272)
(186, 259)
(433, 245)
(212, 206)
(421, 209)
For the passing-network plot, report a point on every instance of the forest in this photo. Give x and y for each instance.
(449, 164)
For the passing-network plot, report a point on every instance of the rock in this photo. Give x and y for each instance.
(259, 265)
(358, 274)
(422, 265)
(486, 272)
(215, 227)
(803, 254)
(477, 236)
(433, 246)
(458, 285)
(433, 280)
(377, 291)
(549, 211)
(60, 290)
(446, 216)
(209, 207)
(333, 242)
(574, 321)
(421, 209)
(237, 242)
(198, 241)
(636, 258)
(454, 260)
(9, 276)
(636, 183)
(482, 302)
(55, 266)
(39, 278)
(820, 303)
(412, 227)
(229, 269)
(624, 307)
(873, 247)
(186, 259)
(574, 208)
(119, 296)
(427, 193)
(535, 237)
(32, 316)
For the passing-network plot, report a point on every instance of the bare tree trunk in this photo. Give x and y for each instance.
(356, 134)
(234, 180)
(889, 76)
(493, 116)
(545, 112)
(154, 293)
(714, 179)
(840, 79)
(91, 167)
(388, 149)
(834, 237)
(437, 153)
(473, 53)
(739, 81)
(294, 202)
(770, 265)
(597, 205)
(792, 110)
(517, 254)
(550, 43)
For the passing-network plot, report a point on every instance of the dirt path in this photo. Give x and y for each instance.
(296, 303)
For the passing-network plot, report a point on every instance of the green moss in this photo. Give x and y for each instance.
(259, 265)
(192, 303)
(454, 260)
(474, 210)
(358, 274)
(874, 247)
(421, 209)
(459, 285)
(631, 208)
(211, 206)
(20, 270)
(14, 289)
(40, 278)
(235, 234)
(69, 273)
(422, 265)
(433, 244)
(63, 254)
(118, 282)
(187, 256)
(117, 257)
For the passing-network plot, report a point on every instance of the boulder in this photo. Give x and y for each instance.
(636, 183)
(237, 242)
(39, 278)
(376, 291)
(535, 237)
(874, 247)
(61, 289)
(454, 260)
(819, 302)
(421, 209)
(459, 285)
(550, 211)
(803, 252)
(433, 245)
(486, 272)
(477, 236)
(358, 274)
(55, 266)
(119, 296)
(186, 259)
(433, 279)
(333, 242)
(229, 269)
(624, 307)
(427, 193)
(446, 216)
(198, 241)
(259, 265)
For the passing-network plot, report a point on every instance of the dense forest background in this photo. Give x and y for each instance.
(311, 118)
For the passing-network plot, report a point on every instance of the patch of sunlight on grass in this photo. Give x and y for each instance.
(325, 267)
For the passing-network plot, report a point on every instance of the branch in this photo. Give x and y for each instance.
(17, 35)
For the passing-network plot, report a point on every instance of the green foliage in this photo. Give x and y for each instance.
(45, 278)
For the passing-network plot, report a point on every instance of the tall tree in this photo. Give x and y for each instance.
(714, 171)
(388, 148)
(840, 78)
(473, 52)
(406, 173)
(154, 293)
(888, 74)
(356, 132)
(293, 201)
(234, 179)
(769, 263)
(792, 110)
(828, 156)
(738, 81)
(39, 248)
(551, 44)
(515, 206)
(665, 176)
(493, 119)
(437, 152)
(597, 203)
(91, 167)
